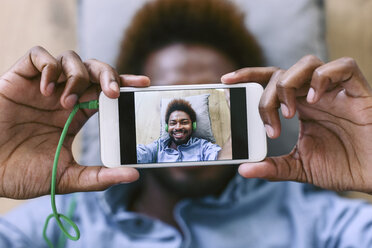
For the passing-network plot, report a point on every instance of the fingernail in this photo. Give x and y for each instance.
(114, 86)
(269, 130)
(71, 100)
(133, 77)
(227, 76)
(243, 169)
(50, 88)
(310, 96)
(284, 109)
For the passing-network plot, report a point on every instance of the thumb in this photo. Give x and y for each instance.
(79, 178)
(282, 168)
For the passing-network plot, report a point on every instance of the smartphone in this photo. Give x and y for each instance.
(182, 125)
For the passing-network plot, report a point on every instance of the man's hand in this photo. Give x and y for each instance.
(334, 106)
(36, 97)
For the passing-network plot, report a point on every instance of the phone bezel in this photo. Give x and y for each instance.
(109, 126)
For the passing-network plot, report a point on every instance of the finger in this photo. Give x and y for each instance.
(103, 74)
(269, 105)
(38, 61)
(260, 75)
(77, 78)
(296, 77)
(340, 71)
(134, 80)
(281, 168)
(93, 178)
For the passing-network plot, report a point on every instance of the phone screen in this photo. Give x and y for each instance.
(183, 125)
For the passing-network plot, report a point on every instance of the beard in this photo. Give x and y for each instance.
(193, 182)
(180, 141)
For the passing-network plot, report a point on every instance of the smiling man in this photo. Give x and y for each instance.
(178, 145)
(181, 120)
(196, 206)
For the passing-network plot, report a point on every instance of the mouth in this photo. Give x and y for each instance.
(181, 134)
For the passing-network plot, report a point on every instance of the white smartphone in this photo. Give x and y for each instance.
(182, 125)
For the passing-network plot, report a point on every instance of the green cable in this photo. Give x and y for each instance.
(70, 213)
(85, 105)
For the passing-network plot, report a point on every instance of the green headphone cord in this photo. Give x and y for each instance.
(84, 105)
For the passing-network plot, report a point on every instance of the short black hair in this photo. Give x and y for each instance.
(214, 23)
(180, 105)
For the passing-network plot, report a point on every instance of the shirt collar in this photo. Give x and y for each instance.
(114, 202)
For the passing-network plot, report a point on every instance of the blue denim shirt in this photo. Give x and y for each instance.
(249, 213)
(195, 149)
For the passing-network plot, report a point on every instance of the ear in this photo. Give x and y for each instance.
(194, 125)
(166, 128)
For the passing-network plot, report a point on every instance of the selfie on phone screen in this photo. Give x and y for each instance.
(185, 125)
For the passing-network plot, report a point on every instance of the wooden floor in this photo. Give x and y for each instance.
(349, 32)
(52, 24)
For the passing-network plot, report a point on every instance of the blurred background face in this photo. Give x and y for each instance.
(189, 64)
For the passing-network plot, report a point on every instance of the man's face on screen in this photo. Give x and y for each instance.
(190, 64)
(179, 127)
